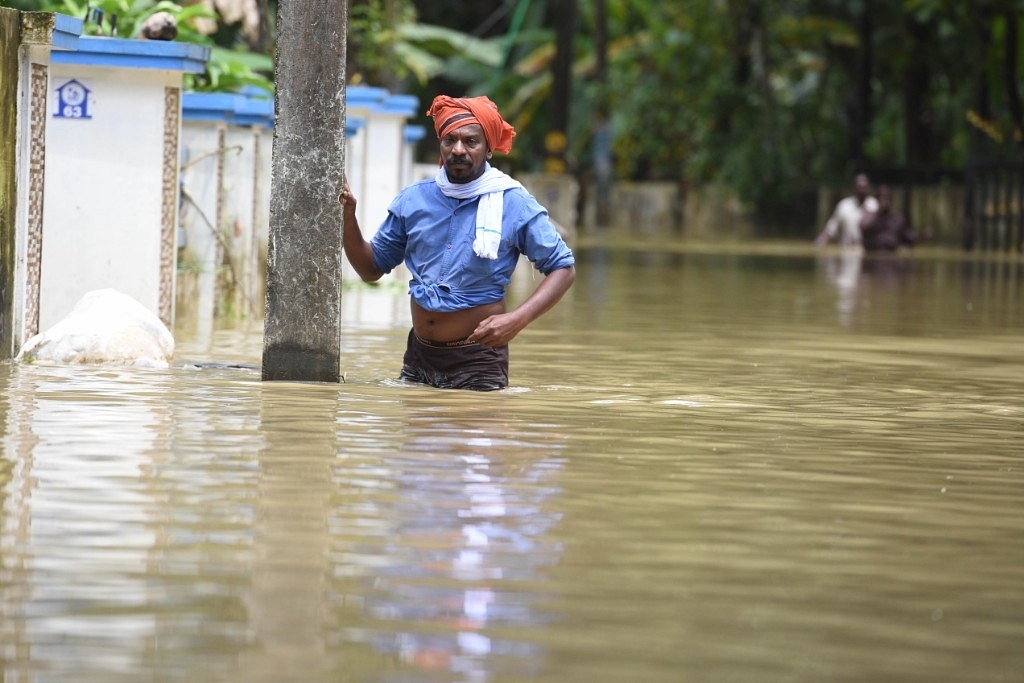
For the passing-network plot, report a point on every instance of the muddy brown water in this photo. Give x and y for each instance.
(712, 466)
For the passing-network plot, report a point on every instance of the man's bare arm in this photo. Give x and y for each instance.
(357, 249)
(498, 330)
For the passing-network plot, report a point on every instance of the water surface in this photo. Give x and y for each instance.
(712, 466)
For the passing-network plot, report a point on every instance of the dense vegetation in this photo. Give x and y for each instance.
(768, 97)
(771, 98)
(235, 62)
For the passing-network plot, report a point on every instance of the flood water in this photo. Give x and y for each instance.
(712, 466)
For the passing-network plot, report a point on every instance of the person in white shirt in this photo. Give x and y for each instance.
(844, 224)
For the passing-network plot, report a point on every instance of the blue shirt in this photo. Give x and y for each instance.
(434, 235)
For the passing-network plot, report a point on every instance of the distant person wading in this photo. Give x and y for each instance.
(844, 225)
(886, 229)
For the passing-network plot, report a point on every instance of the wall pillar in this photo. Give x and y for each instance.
(10, 40)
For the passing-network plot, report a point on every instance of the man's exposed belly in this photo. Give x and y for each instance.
(451, 326)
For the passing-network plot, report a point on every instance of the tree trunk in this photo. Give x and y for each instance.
(563, 14)
(982, 106)
(601, 141)
(1010, 75)
(918, 119)
(265, 40)
(740, 46)
(862, 110)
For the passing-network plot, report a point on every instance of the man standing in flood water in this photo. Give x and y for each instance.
(461, 234)
(844, 224)
(886, 229)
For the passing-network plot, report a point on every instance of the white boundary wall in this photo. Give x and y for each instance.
(99, 125)
(226, 155)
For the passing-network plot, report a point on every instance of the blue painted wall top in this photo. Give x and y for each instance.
(66, 31)
(245, 109)
(364, 96)
(135, 54)
(415, 133)
(403, 105)
(253, 106)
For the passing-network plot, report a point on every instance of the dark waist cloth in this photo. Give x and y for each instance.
(443, 344)
(455, 365)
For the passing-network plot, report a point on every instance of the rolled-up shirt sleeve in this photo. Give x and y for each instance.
(537, 238)
(388, 243)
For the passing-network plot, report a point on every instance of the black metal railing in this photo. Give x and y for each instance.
(994, 207)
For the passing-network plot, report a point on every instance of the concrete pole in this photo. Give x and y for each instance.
(302, 324)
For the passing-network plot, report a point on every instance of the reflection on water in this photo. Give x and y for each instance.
(439, 576)
(712, 467)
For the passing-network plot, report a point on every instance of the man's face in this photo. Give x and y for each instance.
(861, 186)
(884, 198)
(464, 153)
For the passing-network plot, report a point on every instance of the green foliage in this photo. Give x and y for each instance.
(444, 43)
(384, 53)
(131, 14)
(228, 69)
(760, 95)
(232, 70)
(763, 96)
(430, 51)
(374, 40)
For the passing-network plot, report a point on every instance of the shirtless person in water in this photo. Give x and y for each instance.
(461, 234)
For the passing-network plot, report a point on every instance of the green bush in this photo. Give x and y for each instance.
(228, 70)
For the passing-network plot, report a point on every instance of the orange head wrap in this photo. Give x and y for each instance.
(451, 113)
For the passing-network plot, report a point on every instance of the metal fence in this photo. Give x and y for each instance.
(994, 207)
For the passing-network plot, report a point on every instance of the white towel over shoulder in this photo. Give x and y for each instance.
(490, 187)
